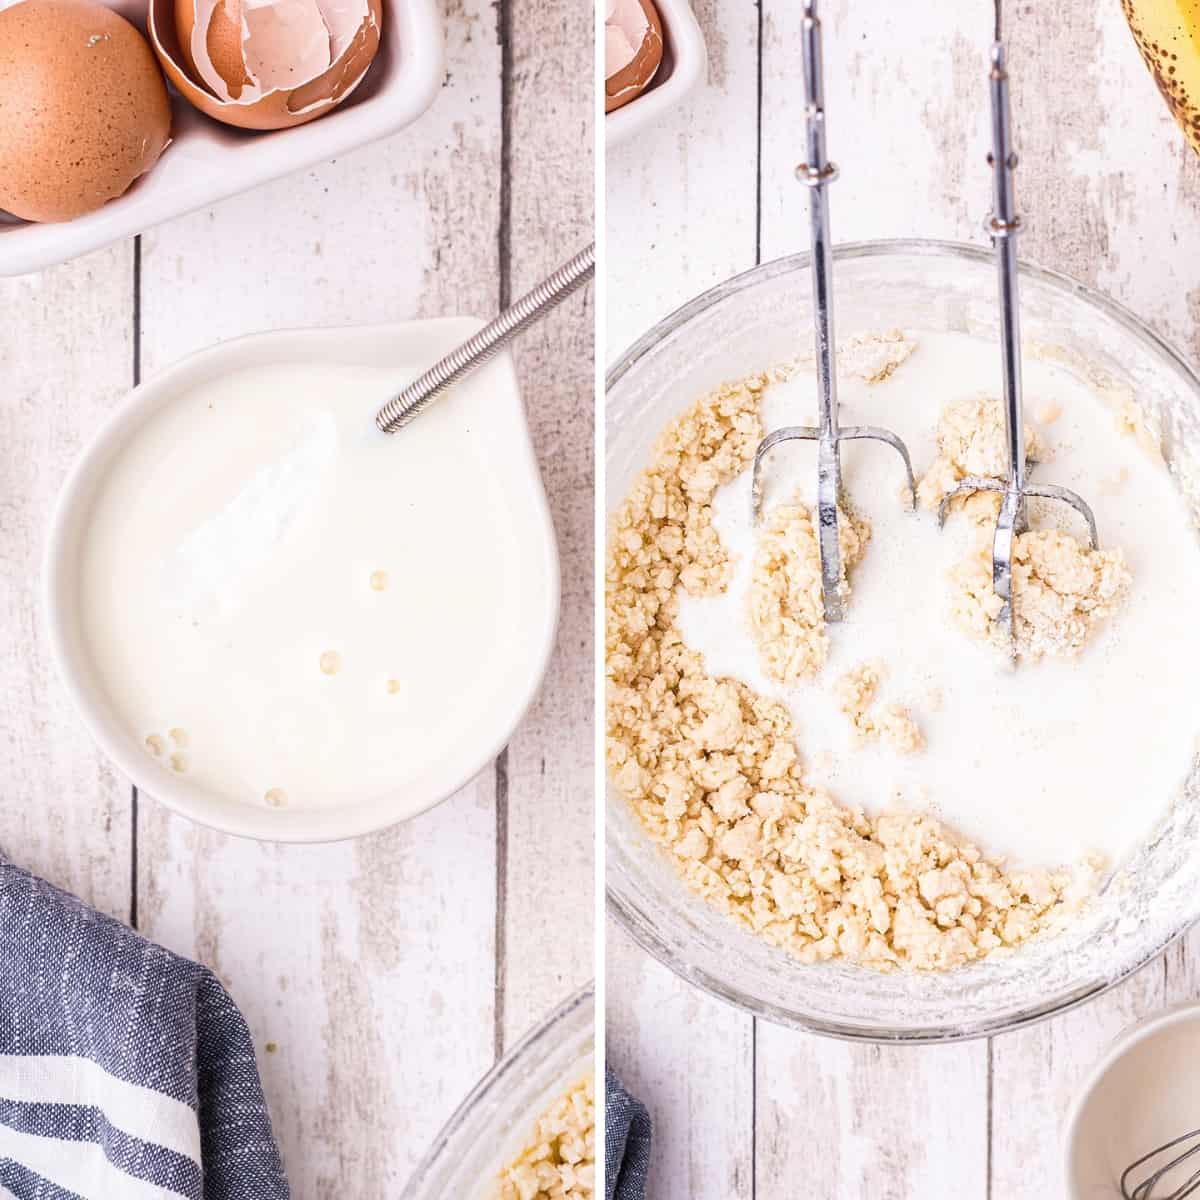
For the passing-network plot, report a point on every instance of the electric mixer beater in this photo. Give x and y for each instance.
(1004, 225)
(818, 172)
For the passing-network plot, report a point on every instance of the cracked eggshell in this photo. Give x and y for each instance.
(83, 108)
(265, 64)
(633, 50)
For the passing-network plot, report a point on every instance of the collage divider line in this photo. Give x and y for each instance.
(599, 508)
(504, 34)
(758, 143)
(500, 976)
(137, 379)
(758, 228)
(753, 1108)
(988, 1152)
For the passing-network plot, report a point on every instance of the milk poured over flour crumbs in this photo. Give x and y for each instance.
(1042, 764)
(888, 790)
(292, 608)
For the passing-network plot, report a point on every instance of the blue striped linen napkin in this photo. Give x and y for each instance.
(126, 1073)
(627, 1137)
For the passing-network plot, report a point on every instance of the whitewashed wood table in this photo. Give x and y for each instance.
(1111, 195)
(381, 978)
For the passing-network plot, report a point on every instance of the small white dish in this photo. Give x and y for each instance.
(684, 65)
(396, 346)
(207, 161)
(1142, 1094)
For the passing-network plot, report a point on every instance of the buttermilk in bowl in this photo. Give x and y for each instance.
(286, 609)
(892, 790)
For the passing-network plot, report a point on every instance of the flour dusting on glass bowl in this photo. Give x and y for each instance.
(1146, 893)
(492, 1126)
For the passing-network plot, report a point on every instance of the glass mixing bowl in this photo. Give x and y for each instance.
(761, 318)
(490, 1127)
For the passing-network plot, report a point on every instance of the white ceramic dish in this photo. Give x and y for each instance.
(493, 1122)
(386, 345)
(207, 161)
(1141, 1095)
(684, 65)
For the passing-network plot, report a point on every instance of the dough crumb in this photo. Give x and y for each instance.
(1110, 485)
(558, 1161)
(712, 770)
(1049, 412)
(1132, 422)
(1062, 592)
(786, 606)
(970, 441)
(874, 356)
(893, 725)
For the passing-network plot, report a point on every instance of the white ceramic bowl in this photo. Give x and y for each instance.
(208, 161)
(492, 1123)
(683, 66)
(1144, 1093)
(383, 345)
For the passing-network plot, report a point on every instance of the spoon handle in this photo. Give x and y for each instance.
(531, 307)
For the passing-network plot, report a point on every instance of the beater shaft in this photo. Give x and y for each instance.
(817, 172)
(1003, 225)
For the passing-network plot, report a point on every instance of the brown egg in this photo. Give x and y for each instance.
(83, 108)
(633, 50)
(269, 65)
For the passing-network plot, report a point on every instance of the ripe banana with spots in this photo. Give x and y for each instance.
(1167, 33)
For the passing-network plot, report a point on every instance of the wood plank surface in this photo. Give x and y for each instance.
(690, 1060)
(1115, 202)
(681, 215)
(549, 909)
(397, 945)
(1111, 195)
(681, 203)
(381, 977)
(66, 355)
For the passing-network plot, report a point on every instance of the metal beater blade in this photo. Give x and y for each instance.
(1143, 1189)
(818, 172)
(1003, 226)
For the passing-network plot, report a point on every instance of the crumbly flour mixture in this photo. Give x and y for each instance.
(970, 441)
(720, 774)
(1063, 590)
(892, 724)
(558, 1160)
(786, 611)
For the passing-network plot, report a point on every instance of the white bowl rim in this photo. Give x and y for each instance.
(1149, 1026)
(329, 824)
(623, 910)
